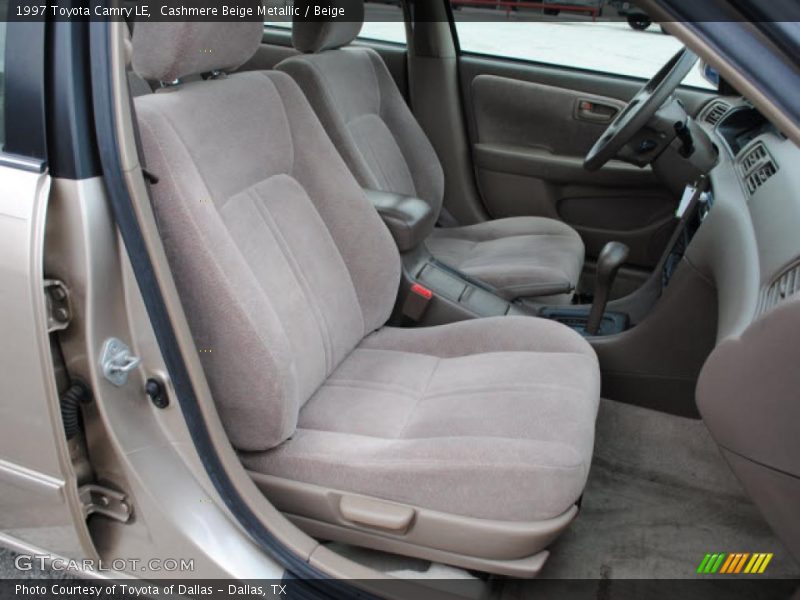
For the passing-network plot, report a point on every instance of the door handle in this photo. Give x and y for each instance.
(594, 111)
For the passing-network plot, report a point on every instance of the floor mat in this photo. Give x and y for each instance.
(660, 496)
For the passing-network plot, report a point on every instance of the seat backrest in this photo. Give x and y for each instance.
(363, 111)
(280, 261)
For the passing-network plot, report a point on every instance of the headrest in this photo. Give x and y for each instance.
(319, 34)
(166, 51)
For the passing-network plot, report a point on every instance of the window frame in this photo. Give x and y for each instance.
(549, 65)
(25, 143)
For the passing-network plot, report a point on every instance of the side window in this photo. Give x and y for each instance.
(606, 36)
(383, 22)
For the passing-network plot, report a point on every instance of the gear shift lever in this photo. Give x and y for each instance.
(608, 263)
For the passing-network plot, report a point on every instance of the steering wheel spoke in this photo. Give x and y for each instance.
(642, 107)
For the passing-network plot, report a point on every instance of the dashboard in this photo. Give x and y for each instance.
(749, 244)
(741, 125)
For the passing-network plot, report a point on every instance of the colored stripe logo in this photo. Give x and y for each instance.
(734, 563)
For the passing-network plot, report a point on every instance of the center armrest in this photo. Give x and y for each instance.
(410, 220)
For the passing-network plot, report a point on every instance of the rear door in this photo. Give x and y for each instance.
(538, 92)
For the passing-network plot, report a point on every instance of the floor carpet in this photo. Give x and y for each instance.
(659, 497)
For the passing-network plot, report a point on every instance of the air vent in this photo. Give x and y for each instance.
(716, 111)
(756, 167)
(752, 158)
(786, 285)
(757, 179)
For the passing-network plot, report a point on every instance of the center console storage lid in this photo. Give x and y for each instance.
(409, 219)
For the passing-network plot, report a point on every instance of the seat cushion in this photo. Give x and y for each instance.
(519, 256)
(490, 419)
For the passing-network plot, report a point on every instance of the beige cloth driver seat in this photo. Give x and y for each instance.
(467, 444)
(384, 146)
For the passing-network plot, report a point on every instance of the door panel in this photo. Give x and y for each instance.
(524, 113)
(555, 167)
(601, 84)
(530, 127)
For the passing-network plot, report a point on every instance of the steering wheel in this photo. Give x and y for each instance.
(640, 110)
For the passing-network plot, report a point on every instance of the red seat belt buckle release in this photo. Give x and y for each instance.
(417, 302)
(421, 291)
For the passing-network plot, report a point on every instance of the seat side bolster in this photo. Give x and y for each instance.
(261, 405)
(420, 155)
(308, 76)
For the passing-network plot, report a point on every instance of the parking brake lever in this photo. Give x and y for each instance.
(611, 258)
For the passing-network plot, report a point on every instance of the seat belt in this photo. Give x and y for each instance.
(149, 177)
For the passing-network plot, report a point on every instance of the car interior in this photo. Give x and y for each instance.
(411, 274)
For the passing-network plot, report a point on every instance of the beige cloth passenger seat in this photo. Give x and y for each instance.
(468, 444)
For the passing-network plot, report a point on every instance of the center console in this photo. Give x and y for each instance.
(650, 343)
(455, 297)
(433, 294)
(596, 320)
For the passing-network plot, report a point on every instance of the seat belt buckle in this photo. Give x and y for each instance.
(417, 301)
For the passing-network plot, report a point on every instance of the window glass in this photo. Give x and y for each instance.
(383, 22)
(596, 36)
